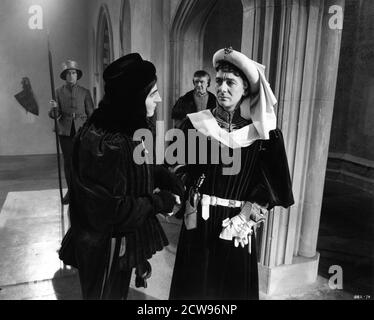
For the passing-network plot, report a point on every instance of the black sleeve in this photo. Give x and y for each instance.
(275, 187)
(187, 173)
(132, 210)
(100, 197)
(165, 179)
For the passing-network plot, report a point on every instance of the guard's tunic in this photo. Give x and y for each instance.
(75, 106)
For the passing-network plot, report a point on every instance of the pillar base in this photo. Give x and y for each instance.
(285, 278)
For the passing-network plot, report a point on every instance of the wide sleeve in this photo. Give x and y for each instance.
(101, 197)
(274, 186)
(187, 173)
(132, 210)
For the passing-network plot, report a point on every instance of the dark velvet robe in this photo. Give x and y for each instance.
(186, 104)
(207, 267)
(112, 197)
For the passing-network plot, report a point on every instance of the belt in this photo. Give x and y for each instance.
(207, 201)
(74, 115)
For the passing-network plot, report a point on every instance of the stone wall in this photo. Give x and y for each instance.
(224, 29)
(23, 53)
(148, 31)
(351, 154)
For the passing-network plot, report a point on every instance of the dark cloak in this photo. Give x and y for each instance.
(207, 267)
(112, 197)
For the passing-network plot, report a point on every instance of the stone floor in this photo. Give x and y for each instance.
(346, 237)
(30, 232)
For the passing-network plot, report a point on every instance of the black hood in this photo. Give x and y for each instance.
(128, 81)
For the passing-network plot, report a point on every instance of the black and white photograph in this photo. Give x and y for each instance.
(178, 151)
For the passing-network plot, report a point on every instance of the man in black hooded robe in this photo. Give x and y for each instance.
(113, 205)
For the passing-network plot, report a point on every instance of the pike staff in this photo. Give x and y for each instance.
(53, 93)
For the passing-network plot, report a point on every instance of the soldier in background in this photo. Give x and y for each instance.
(73, 107)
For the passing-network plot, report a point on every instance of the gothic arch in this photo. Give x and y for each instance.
(186, 41)
(125, 27)
(104, 46)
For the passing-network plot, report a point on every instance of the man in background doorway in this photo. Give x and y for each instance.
(73, 107)
(195, 100)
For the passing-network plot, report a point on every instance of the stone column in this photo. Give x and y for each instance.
(301, 54)
(321, 127)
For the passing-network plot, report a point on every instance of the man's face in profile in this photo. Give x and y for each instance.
(201, 84)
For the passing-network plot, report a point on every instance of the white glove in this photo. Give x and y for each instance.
(240, 227)
(237, 228)
(242, 241)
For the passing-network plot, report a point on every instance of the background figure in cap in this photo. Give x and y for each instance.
(114, 201)
(73, 107)
(195, 100)
(216, 256)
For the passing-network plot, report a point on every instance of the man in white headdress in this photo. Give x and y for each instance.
(216, 256)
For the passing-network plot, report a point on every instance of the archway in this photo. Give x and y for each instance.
(195, 22)
(186, 41)
(223, 29)
(104, 46)
(301, 53)
(125, 27)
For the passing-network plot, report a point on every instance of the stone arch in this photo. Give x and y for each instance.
(104, 46)
(125, 28)
(186, 41)
(223, 29)
(301, 53)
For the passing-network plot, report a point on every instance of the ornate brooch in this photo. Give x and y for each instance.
(227, 51)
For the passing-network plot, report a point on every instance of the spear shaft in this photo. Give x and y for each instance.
(53, 92)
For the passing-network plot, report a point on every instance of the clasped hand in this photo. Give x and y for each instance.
(177, 203)
(54, 112)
